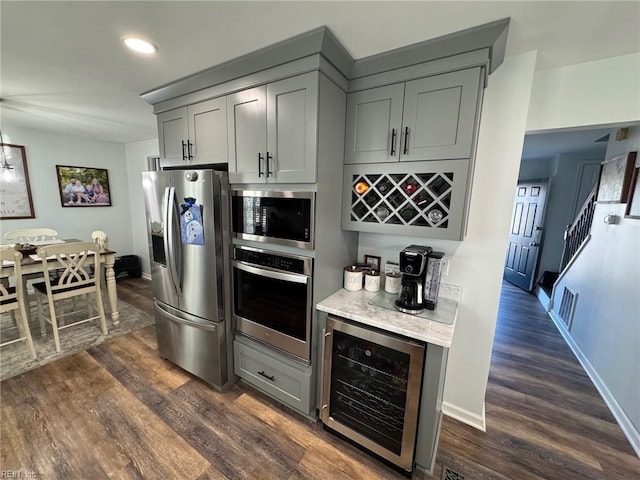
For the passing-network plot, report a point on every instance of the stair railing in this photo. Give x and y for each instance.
(578, 231)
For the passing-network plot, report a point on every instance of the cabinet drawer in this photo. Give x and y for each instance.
(273, 376)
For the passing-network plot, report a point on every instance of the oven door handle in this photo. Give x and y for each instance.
(287, 277)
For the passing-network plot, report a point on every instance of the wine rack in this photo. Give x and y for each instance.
(423, 198)
(372, 389)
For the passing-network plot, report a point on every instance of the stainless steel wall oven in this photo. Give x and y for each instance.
(272, 299)
(283, 218)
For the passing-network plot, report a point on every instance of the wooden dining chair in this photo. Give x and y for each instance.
(78, 265)
(31, 235)
(101, 239)
(12, 298)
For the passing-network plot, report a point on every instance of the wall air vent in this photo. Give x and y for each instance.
(568, 306)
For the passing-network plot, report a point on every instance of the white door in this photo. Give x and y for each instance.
(526, 232)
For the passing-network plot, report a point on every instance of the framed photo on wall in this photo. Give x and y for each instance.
(83, 186)
(15, 190)
(615, 178)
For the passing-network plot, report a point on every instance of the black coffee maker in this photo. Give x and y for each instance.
(413, 267)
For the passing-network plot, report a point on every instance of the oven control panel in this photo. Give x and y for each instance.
(276, 261)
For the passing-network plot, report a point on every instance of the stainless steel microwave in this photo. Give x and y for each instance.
(278, 217)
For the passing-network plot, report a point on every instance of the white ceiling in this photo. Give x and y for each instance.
(64, 68)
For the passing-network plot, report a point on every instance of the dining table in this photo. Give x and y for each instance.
(33, 264)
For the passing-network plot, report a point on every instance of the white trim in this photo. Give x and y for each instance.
(465, 416)
(543, 298)
(632, 434)
(146, 276)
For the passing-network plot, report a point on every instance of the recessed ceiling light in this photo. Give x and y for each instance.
(139, 45)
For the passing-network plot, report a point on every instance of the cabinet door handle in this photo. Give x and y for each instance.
(259, 164)
(406, 140)
(393, 142)
(184, 157)
(270, 377)
(269, 172)
(189, 156)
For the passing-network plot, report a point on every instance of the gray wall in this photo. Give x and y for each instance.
(45, 150)
(606, 324)
(136, 155)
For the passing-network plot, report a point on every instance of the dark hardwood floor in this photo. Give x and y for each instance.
(119, 411)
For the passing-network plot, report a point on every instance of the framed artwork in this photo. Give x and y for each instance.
(15, 190)
(83, 186)
(615, 178)
(633, 200)
(373, 261)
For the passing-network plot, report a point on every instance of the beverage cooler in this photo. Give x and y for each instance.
(371, 389)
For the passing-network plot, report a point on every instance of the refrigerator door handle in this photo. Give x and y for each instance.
(170, 196)
(192, 322)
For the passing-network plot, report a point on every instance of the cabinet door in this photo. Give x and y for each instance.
(292, 116)
(172, 132)
(247, 135)
(439, 116)
(208, 131)
(374, 118)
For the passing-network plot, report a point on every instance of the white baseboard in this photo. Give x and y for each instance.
(628, 428)
(465, 416)
(543, 298)
(146, 276)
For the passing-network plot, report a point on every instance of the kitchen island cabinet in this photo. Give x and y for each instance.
(435, 329)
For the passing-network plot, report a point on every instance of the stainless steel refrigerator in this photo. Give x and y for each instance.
(188, 232)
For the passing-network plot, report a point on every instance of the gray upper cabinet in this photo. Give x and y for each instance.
(273, 132)
(194, 135)
(247, 134)
(173, 130)
(431, 118)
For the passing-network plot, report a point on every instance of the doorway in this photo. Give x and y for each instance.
(525, 236)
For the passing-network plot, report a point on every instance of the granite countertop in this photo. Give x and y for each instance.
(432, 326)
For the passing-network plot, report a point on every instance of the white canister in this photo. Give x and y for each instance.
(392, 283)
(352, 278)
(372, 281)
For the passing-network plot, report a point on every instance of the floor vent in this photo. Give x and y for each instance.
(448, 474)
(568, 306)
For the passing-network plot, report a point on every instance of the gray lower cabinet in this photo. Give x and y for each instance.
(272, 132)
(426, 198)
(279, 377)
(194, 135)
(431, 118)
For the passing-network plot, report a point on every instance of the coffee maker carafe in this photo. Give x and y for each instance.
(413, 267)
